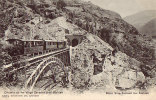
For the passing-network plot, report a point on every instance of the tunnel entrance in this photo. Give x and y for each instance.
(74, 42)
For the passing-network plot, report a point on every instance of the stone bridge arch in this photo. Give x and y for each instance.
(42, 68)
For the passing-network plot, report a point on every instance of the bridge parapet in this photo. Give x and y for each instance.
(63, 54)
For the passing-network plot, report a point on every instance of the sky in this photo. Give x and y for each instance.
(126, 7)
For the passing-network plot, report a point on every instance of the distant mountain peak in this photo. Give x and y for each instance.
(141, 18)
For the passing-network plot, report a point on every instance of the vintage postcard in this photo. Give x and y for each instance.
(77, 49)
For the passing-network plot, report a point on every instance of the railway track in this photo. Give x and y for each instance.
(31, 59)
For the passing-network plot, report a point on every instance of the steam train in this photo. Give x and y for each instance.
(24, 47)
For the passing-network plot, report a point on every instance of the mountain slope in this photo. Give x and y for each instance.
(115, 31)
(30, 16)
(149, 28)
(141, 18)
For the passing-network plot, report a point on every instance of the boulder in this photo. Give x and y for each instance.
(104, 79)
(129, 79)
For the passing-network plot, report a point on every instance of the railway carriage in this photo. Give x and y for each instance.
(33, 46)
(50, 45)
(24, 47)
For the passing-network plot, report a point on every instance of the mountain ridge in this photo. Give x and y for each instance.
(149, 28)
(141, 18)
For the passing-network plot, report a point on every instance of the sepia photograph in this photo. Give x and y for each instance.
(77, 49)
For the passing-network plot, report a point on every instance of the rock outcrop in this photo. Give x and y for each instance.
(119, 71)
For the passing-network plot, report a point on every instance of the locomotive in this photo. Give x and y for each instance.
(24, 47)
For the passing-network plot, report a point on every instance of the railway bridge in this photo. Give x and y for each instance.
(41, 65)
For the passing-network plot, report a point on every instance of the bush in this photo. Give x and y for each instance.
(60, 4)
(37, 37)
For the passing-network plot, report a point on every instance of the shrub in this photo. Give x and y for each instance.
(60, 4)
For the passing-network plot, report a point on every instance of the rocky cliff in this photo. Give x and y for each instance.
(97, 67)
